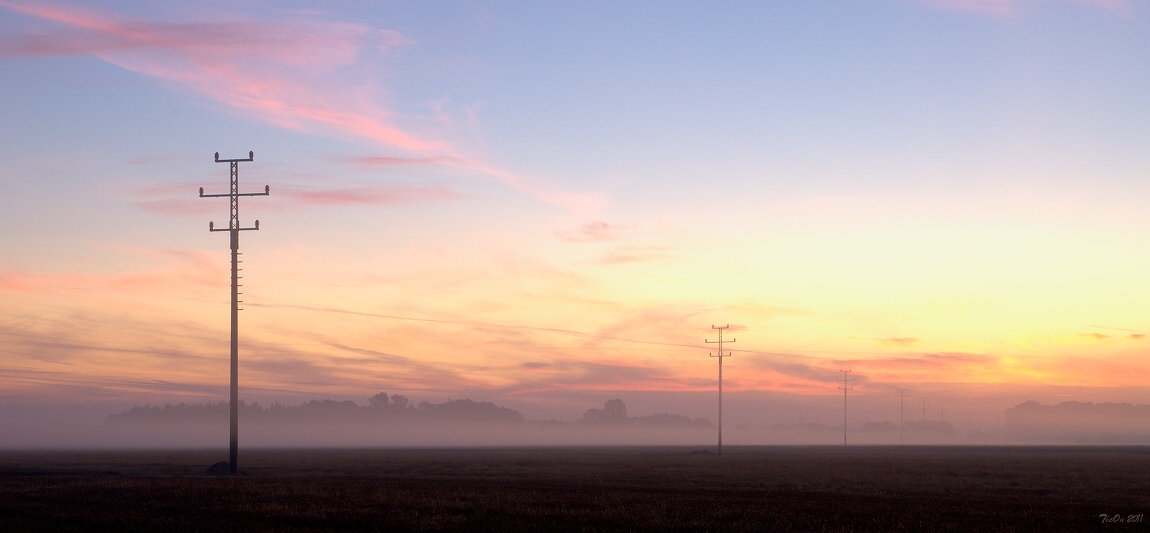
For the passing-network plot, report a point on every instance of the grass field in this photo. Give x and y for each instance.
(582, 489)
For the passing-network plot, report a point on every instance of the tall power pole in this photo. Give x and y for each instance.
(846, 379)
(234, 229)
(922, 429)
(720, 355)
(901, 404)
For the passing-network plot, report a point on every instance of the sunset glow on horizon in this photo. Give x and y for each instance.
(525, 201)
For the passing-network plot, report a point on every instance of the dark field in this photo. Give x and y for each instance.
(581, 489)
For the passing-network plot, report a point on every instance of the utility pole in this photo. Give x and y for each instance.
(720, 355)
(901, 404)
(942, 421)
(234, 229)
(846, 379)
(922, 429)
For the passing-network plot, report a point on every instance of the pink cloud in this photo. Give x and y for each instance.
(993, 7)
(174, 199)
(370, 162)
(180, 199)
(595, 231)
(299, 75)
(266, 69)
(373, 195)
(1010, 7)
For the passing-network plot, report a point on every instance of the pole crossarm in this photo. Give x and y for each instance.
(720, 356)
(234, 229)
(212, 227)
(267, 191)
(251, 157)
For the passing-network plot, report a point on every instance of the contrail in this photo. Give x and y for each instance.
(463, 323)
(505, 326)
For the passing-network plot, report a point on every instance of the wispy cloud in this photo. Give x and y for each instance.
(376, 161)
(595, 231)
(591, 375)
(162, 159)
(992, 7)
(180, 199)
(572, 201)
(635, 254)
(378, 195)
(898, 341)
(302, 75)
(270, 70)
(1005, 8)
(1095, 336)
(171, 268)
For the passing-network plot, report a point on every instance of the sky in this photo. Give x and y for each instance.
(548, 205)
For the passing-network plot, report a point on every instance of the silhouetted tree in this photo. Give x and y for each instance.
(613, 412)
(399, 401)
(475, 411)
(379, 401)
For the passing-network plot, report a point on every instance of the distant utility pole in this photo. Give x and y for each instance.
(720, 355)
(846, 379)
(235, 229)
(901, 404)
(922, 429)
(942, 420)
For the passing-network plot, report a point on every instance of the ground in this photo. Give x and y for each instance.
(582, 489)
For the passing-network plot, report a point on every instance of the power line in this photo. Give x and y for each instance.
(846, 379)
(720, 355)
(902, 395)
(234, 229)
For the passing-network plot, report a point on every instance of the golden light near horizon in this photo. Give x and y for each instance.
(937, 194)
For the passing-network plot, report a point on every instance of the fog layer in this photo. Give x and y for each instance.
(396, 421)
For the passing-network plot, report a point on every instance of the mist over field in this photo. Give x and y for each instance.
(397, 421)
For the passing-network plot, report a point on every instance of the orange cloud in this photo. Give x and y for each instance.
(175, 268)
(1095, 336)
